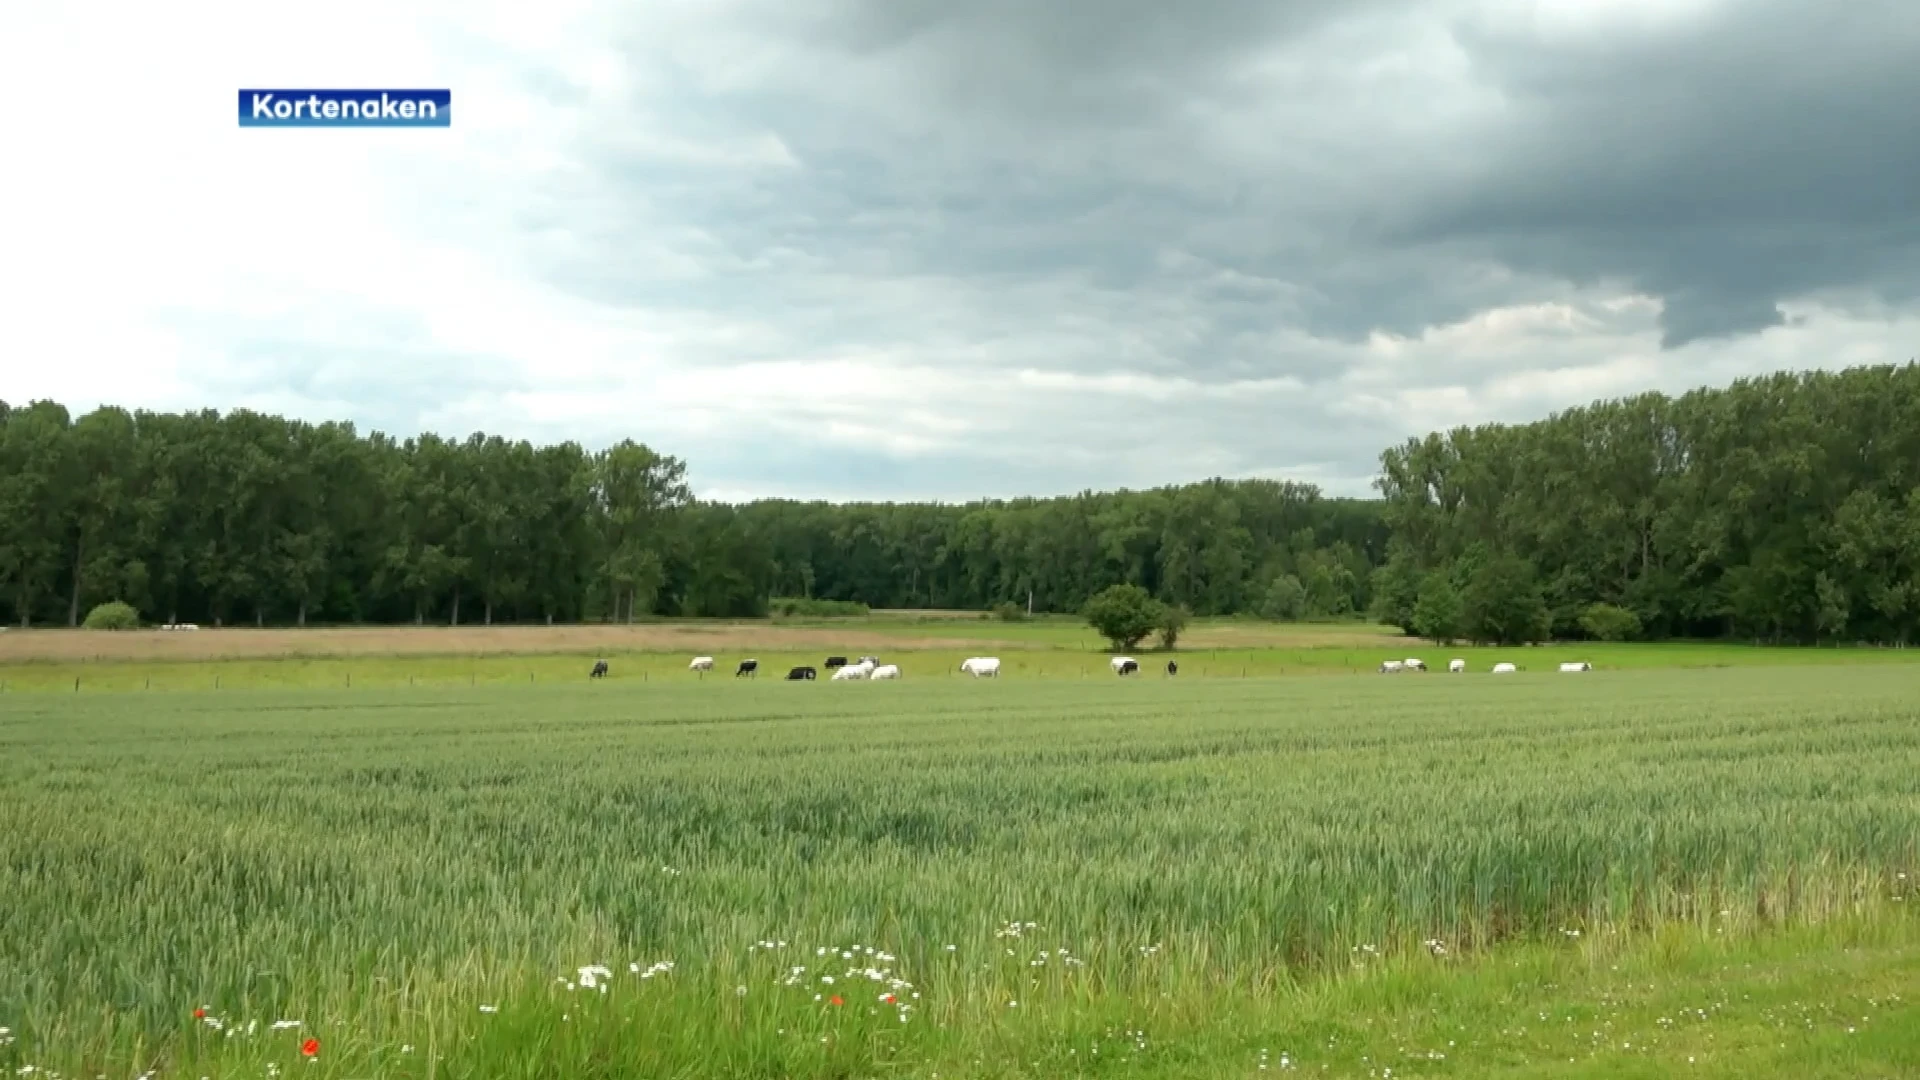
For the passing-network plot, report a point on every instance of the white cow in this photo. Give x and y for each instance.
(851, 671)
(1389, 666)
(979, 666)
(1456, 666)
(1580, 666)
(1120, 662)
(701, 663)
(886, 671)
(1503, 669)
(1414, 663)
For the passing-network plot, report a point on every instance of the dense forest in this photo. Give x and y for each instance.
(1784, 508)
(1781, 509)
(245, 518)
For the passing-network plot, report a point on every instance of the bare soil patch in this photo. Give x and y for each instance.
(19, 646)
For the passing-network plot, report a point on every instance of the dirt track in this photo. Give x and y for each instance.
(208, 644)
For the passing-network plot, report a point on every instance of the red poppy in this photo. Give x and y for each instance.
(199, 1014)
(310, 1047)
(888, 999)
(836, 1000)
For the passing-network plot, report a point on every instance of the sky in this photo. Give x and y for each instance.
(906, 249)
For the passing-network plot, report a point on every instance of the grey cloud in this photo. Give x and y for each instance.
(1229, 190)
(1766, 153)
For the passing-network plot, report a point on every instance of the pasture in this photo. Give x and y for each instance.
(1619, 873)
(924, 645)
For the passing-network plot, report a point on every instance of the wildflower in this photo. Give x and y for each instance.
(310, 1047)
(282, 1025)
(836, 1000)
(489, 1008)
(199, 1014)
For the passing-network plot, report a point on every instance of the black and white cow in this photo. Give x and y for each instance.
(1128, 667)
(599, 669)
(1173, 668)
(870, 661)
(799, 673)
(747, 667)
(835, 662)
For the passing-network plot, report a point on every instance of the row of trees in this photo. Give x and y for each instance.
(249, 518)
(1784, 508)
(1780, 509)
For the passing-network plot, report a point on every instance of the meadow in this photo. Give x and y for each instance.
(924, 644)
(1628, 872)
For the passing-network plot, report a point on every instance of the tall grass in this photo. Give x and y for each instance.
(379, 864)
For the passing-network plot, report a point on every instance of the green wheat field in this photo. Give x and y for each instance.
(1704, 872)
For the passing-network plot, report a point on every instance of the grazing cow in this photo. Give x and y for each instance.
(1390, 666)
(851, 671)
(1581, 666)
(599, 670)
(979, 666)
(1173, 668)
(870, 661)
(1456, 666)
(1503, 669)
(799, 673)
(1416, 664)
(835, 662)
(747, 667)
(886, 671)
(701, 663)
(1122, 664)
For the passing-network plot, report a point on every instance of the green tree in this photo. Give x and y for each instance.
(1173, 623)
(1502, 604)
(1396, 590)
(1124, 615)
(1438, 614)
(1285, 600)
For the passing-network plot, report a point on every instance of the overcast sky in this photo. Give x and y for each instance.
(919, 249)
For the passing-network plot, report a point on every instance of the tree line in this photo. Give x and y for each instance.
(245, 518)
(1783, 509)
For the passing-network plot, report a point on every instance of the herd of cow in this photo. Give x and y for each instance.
(1388, 667)
(870, 667)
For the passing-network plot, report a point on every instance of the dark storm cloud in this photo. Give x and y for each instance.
(1765, 150)
(1769, 151)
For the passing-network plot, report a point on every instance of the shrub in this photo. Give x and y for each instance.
(1008, 611)
(1173, 620)
(791, 607)
(113, 615)
(1610, 622)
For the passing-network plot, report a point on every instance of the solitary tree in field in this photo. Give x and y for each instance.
(1124, 615)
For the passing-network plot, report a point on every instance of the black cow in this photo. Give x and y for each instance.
(835, 662)
(799, 673)
(747, 667)
(1128, 667)
(1173, 668)
(599, 669)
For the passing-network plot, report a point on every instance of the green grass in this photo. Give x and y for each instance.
(1223, 864)
(1035, 660)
